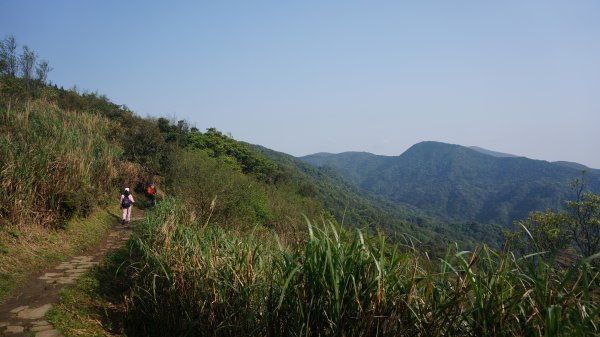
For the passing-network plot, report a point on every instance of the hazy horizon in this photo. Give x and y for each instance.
(518, 77)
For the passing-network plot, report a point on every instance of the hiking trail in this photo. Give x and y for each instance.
(23, 313)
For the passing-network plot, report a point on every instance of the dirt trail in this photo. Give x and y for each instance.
(23, 314)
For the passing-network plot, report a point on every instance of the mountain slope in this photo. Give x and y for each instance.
(352, 165)
(490, 152)
(359, 207)
(577, 166)
(456, 183)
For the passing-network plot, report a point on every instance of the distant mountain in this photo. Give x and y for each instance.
(351, 165)
(323, 154)
(361, 208)
(457, 183)
(575, 166)
(491, 153)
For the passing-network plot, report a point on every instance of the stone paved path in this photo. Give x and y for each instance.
(23, 314)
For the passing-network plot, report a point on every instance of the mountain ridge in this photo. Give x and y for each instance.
(365, 208)
(479, 149)
(458, 183)
(491, 152)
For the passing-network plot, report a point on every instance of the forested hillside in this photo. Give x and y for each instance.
(456, 183)
(357, 206)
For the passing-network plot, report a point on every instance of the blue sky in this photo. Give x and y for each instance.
(300, 77)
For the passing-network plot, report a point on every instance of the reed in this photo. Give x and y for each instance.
(208, 280)
(223, 276)
(55, 164)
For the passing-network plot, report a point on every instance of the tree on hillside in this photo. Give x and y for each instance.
(42, 70)
(8, 57)
(542, 232)
(217, 144)
(27, 62)
(175, 134)
(23, 68)
(584, 219)
(143, 144)
(576, 228)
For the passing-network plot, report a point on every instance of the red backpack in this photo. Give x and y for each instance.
(150, 190)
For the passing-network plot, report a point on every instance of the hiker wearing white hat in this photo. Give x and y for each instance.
(126, 202)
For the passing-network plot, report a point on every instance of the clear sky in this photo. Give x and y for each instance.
(300, 77)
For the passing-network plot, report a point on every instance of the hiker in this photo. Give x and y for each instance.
(151, 194)
(126, 203)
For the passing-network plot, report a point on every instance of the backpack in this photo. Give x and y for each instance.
(150, 191)
(126, 202)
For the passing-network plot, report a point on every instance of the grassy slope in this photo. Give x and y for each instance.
(52, 161)
(24, 252)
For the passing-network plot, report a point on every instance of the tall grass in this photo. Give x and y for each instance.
(189, 277)
(54, 164)
(192, 279)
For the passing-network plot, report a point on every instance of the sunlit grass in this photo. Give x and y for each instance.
(55, 164)
(191, 278)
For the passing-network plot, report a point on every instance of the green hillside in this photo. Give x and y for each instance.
(363, 209)
(456, 183)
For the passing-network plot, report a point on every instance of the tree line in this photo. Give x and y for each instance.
(26, 65)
